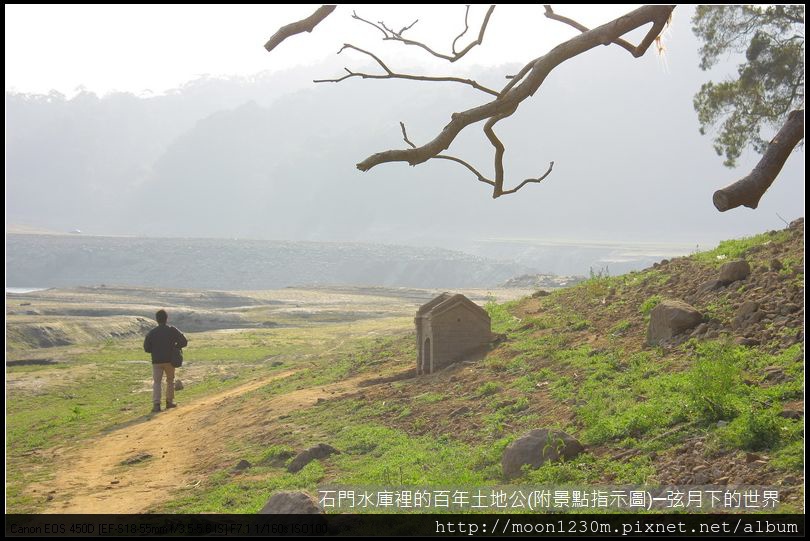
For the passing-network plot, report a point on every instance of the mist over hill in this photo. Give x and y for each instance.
(69, 261)
(273, 157)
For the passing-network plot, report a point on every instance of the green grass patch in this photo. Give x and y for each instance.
(729, 250)
(487, 389)
(621, 327)
(647, 306)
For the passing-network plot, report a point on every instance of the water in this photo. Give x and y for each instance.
(24, 289)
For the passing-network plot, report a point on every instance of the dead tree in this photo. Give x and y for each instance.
(503, 102)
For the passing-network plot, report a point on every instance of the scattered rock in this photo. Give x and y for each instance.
(743, 341)
(536, 448)
(790, 308)
(291, 503)
(711, 285)
(670, 318)
(752, 457)
(791, 414)
(241, 466)
(776, 265)
(788, 341)
(322, 450)
(278, 459)
(276, 363)
(701, 478)
(721, 423)
(747, 308)
(135, 459)
(734, 271)
(178, 385)
(460, 411)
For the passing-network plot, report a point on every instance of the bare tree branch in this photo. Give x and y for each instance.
(389, 74)
(530, 180)
(393, 35)
(749, 190)
(551, 15)
(520, 86)
(304, 25)
(405, 135)
(474, 171)
(637, 51)
(523, 86)
(466, 27)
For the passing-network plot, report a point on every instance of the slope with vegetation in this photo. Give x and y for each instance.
(703, 410)
(720, 405)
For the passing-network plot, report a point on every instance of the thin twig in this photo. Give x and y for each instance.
(405, 134)
(473, 170)
(390, 74)
(389, 34)
(466, 27)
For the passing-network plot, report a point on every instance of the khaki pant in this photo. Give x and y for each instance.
(157, 378)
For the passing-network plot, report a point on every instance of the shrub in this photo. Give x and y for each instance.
(754, 430)
(715, 382)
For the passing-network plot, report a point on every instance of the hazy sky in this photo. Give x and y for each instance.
(157, 47)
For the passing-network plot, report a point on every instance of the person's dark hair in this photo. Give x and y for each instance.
(161, 316)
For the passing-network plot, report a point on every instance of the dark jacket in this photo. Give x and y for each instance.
(160, 341)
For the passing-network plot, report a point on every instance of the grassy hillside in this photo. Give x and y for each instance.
(704, 410)
(722, 405)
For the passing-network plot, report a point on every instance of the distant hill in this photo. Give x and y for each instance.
(78, 260)
(273, 156)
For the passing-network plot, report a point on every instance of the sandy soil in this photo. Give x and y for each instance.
(184, 444)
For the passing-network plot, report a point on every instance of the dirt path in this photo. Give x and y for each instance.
(184, 444)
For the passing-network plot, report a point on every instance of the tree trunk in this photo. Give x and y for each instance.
(749, 190)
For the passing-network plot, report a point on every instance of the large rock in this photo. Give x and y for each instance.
(734, 270)
(670, 318)
(322, 450)
(291, 503)
(711, 285)
(747, 314)
(536, 448)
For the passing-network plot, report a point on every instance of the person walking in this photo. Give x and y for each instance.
(161, 342)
